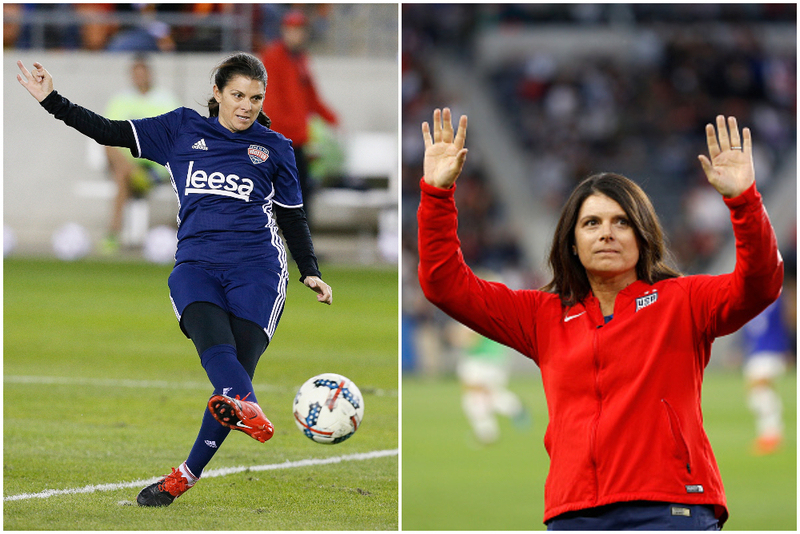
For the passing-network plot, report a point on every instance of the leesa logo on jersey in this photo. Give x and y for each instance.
(217, 183)
(258, 154)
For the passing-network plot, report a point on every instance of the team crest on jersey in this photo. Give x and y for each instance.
(258, 154)
(647, 300)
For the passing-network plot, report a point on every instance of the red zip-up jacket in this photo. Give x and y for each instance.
(623, 397)
(291, 96)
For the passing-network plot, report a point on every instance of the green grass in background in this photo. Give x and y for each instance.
(452, 483)
(101, 387)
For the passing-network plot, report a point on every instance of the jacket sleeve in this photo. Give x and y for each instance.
(490, 308)
(722, 304)
(319, 107)
(281, 97)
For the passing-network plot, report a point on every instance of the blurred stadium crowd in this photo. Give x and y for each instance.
(596, 113)
(132, 27)
(180, 27)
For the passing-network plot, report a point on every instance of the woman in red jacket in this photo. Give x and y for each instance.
(292, 97)
(621, 338)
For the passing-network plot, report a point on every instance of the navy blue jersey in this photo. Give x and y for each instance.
(226, 184)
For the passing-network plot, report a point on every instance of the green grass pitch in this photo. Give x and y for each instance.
(101, 387)
(451, 483)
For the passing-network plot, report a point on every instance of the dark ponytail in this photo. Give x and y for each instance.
(239, 64)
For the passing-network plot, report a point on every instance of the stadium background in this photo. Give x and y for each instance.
(443, 48)
(93, 346)
(555, 93)
(353, 59)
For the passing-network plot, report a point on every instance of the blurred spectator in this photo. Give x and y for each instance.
(622, 106)
(291, 98)
(134, 177)
(95, 29)
(25, 32)
(326, 155)
(183, 27)
(196, 35)
(151, 36)
(268, 19)
(12, 24)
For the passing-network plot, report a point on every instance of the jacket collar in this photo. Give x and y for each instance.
(627, 295)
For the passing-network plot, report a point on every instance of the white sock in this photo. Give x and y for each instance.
(767, 407)
(478, 409)
(188, 474)
(506, 403)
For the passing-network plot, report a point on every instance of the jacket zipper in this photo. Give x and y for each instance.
(677, 435)
(596, 421)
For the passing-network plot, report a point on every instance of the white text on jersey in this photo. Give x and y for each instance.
(217, 183)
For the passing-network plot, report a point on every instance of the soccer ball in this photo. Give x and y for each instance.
(328, 408)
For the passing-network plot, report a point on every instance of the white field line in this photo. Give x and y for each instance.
(221, 472)
(105, 382)
(155, 384)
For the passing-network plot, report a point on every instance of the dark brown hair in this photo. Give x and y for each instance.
(238, 64)
(570, 281)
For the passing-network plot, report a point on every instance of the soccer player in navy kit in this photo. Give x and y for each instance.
(231, 174)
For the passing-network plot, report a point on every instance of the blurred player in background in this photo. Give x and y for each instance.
(228, 286)
(767, 347)
(292, 97)
(622, 338)
(483, 370)
(134, 176)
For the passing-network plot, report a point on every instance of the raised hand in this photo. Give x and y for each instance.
(444, 153)
(39, 83)
(730, 169)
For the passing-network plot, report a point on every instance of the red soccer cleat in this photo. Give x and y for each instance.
(166, 490)
(242, 415)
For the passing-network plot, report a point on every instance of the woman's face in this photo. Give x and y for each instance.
(239, 102)
(605, 241)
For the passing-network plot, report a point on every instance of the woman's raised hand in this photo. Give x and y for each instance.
(444, 153)
(38, 82)
(730, 169)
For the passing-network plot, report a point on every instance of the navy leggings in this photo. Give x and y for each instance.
(208, 325)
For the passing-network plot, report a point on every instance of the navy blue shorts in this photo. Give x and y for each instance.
(254, 293)
(639, 515)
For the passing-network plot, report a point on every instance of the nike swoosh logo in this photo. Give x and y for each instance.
(571, 317)
(239, 423)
